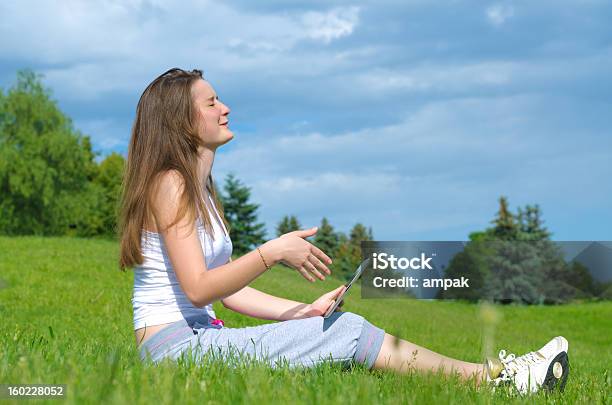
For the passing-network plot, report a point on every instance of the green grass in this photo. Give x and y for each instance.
(65, 318)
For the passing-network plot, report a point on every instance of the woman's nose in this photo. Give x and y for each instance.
(225, 109)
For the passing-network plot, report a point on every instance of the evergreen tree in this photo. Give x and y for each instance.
(294, 224)
(530, 223)
(326, 238)
(349, 250)
(505, 224)
(288, 224)
(245, 231)
(515, 276)
(359, 233)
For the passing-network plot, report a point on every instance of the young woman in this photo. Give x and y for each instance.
(174, 235)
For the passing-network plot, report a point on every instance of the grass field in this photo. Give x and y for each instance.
(65, 318)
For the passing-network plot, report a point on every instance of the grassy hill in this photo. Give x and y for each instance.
(65, 318)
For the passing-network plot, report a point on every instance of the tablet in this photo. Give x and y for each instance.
(360, 269)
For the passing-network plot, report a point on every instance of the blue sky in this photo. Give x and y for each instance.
(412, 117)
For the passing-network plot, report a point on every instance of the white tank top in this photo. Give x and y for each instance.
(158, 297)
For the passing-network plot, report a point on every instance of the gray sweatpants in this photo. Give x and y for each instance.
(343, 337)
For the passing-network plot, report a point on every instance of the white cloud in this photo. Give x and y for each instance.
(498, 14)
(89, 81)
(334, 24)
(449, 77)
(68, 31)
(513, 76)
(88, 49)
(363, 184)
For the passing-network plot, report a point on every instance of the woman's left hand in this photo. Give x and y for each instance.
(320, 305)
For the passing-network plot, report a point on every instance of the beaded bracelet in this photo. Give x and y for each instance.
(264, 260)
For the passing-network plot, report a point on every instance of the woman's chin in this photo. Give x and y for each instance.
(227, 138)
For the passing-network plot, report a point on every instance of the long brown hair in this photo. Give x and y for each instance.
(164, 137)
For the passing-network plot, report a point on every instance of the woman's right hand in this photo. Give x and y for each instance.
(302, 255)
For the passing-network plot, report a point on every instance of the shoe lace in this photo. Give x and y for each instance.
(513, 364)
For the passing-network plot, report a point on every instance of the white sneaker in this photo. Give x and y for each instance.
(547, 368)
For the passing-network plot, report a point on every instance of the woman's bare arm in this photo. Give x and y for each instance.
(252, 302)
(185, 252)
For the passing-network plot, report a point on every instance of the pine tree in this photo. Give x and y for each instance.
(531, 224)
(245, 231)
(505, 224)
(294, 224)
(326, 238)
(516, 274)
(288, 224)
(349, 250)
(360, 233)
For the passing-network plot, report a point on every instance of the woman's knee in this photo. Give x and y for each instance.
(369, 338)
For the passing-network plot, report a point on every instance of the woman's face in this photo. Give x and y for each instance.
(211, 115)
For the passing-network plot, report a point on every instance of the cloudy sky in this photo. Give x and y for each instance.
(412, 117)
